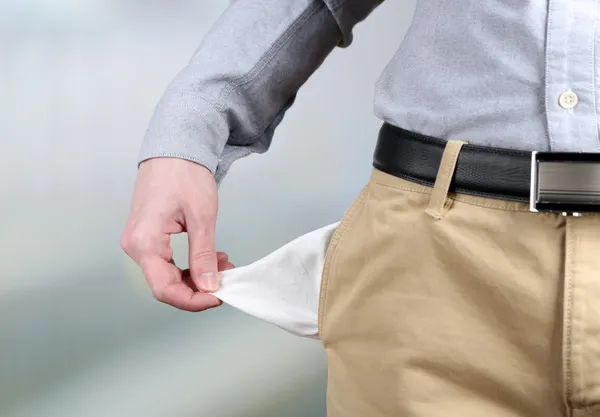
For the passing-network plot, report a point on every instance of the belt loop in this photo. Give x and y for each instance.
(439, 195)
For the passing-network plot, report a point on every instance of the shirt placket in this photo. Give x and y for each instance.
(570, 96)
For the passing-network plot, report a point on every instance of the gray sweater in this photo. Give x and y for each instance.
(518, 75)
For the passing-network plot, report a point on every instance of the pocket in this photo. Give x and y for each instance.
(283, 287)
(336, 240)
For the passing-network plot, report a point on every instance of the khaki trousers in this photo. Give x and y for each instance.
(460, 306)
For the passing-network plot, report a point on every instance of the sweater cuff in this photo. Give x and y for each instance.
(188, 128)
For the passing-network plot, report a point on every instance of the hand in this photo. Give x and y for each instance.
(171, 196)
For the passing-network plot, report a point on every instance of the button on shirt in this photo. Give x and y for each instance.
(568, 100)
(518, 75)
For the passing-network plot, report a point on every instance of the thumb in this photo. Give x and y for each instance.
(203, 258)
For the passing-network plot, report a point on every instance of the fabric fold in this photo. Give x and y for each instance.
(283, 287)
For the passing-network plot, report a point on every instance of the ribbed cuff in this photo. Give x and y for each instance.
(187, 128)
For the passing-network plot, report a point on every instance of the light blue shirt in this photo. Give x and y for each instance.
(511, 74)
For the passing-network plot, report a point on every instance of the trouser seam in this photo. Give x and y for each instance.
(330, 257)
(568, 318)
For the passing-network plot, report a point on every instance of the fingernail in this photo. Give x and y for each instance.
(209, 281)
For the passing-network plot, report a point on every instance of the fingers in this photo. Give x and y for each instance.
(138, 242)
(169, 286)
(172, 195)
(224, 265)
(203, 257)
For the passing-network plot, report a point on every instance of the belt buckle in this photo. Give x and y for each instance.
(565, 182)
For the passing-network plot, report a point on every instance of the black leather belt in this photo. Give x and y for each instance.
(557, 182)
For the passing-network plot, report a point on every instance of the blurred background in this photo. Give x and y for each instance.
(80, 334)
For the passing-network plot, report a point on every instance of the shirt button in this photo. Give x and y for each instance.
(568, 100)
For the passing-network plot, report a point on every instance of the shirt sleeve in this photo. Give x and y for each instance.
(227, 102)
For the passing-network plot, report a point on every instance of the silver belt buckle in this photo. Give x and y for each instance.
(567, 183)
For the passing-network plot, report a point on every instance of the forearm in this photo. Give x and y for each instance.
(244, 76)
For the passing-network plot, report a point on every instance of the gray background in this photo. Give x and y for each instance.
(80, 334)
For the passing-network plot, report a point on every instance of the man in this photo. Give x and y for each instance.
(443, 293)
